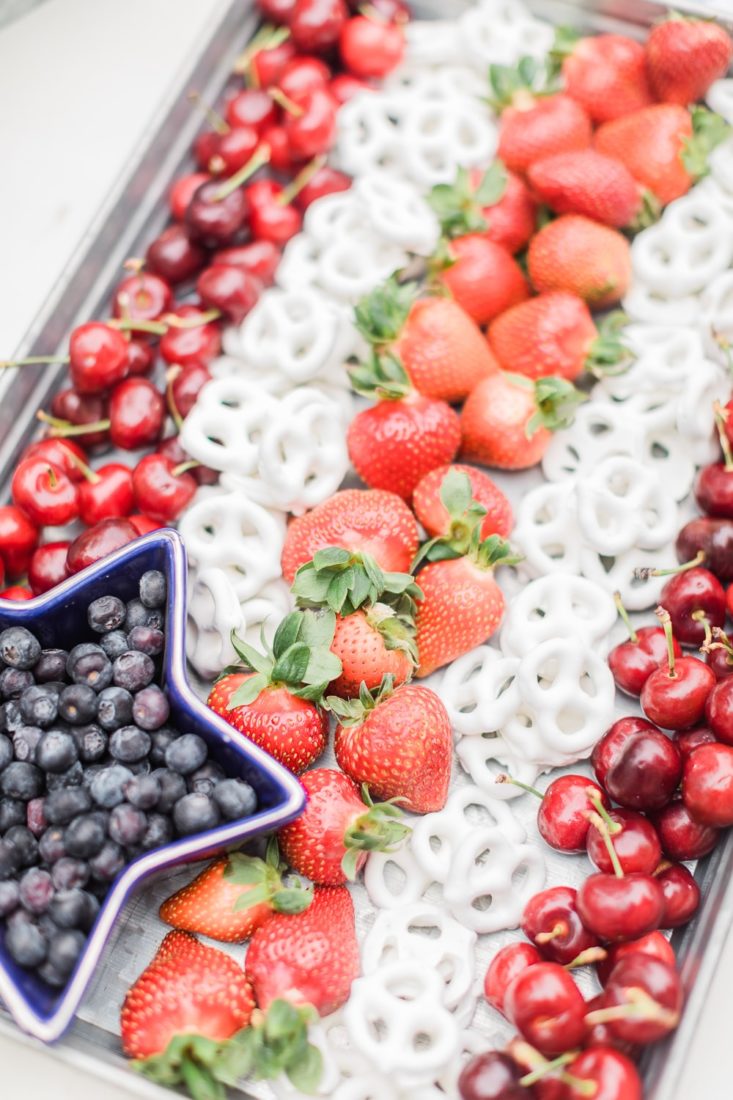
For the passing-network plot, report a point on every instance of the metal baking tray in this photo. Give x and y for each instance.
(130, 219)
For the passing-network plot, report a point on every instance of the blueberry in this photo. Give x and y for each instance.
(108, 785)
(140, 767)
(158, 832)
(106, 614)
(64, 950)
(12, 812)
(52, 845)
(78, 704)
(235, 799)
(161, 739)
(84, 836)
(205, 778)
(19, 648)
(39, 705)
(36, 890)
(133, 670)
(67, 802)
(115, 708)
(156, 619)
(35, 816)
(146, 639)
(91, 743)
(10, 716)
(25, 943)
(150, 708)
(9, 896)
(114, 643)
(72, 777)
(51, 976)
(129, 744)
(152, 588)
(9, 860)
(72, 909)
(195, 813)
(25, 844)
(25, 743)
(187, 753)
(14, 681)
(6, 751)
(172, 787)
(21, 780)
(108, 862)
(89, 664)
(136, 615)
(143, 791)
(51, 665)
(68, 874)
(56, 751)
(90, 773)
(127, 824)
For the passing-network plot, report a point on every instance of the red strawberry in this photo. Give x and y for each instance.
(220, 902)
(368, 520)
(589, 183)
(511, 220)
(330, 840)
(554, 333)
(605, 73)
(307, 959)
(370, 645)
(471, 499)
(507, 421)
(482, 277)
(576, 254)
(178, 945)
(491, 201)
(398, 742)
(684, 56)
(432, 338)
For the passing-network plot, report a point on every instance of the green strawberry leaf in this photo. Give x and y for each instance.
(381, 315)
(305, 1073)
(330, 556)
(312, 693)
(200, 1082)
(287, 634)
(709, 130)
(318, 628)
(244, 870)
(291, 666)
(492, 186)
(456, 493)
(282, 1020)
(556, 400)
(609, 354)
(249, 655)
(292, 900)
(247, 692)
(382, 377)
(323, 666)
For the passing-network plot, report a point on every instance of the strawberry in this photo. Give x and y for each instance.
(471, 498)
(233, 896)
(576, 254)
(605, 73)
(309, 959)
(554, 334)
(481, 276)
(330, 840)
(405, 435)
(275, 704)
(432, 338)
(490, 201)
(397, 741)
(589, 183)
(178, 945)
(508, 420)
(684, 56)
(369, 520)
(665, 146)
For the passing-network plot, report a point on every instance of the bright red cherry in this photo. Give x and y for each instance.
(324, 181)
(174, 256)
(142, 297)
(2, 573)
(729, 599)
(714, 486)
(64, 453)
(491, 1076)
(16, 592)
(315, 25)
(137, 414)
(562, 818)
(106, 494)
(619, 909)
(144, 524)
(214, 218)
(18, 539)
(719, 653)
(707, 785)
(268, 63)
(547, 1007)
(259, 258)
(312, 129)
(303, 74)
(140, 358)
(98, 541)
(236, 148)
(689, 740)
(674, 697)
(79, 409)
(647, 769)
(550, 920)
(171, 448)
(97, 357)
(506, 965)
(711, 537)
(191, 343)
(276, 11)
(161, 492)
(636, 844)
(632, 662)
(232, 290)
(371, 48)
(681, 894)
(719, 710)
(654, 943)
(693, 597)
(611, 1074)
(206, 147)
(183, 191)
(608, 750)
(186, 387)
(48, 566)
(45, 493)
(276, 140)
(276, 221)
(642, 999)
(251, 107)
(344, 87)
(681, 835)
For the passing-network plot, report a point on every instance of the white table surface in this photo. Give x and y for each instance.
(79, 82)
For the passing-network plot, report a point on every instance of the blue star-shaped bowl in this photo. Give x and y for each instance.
(59, 618)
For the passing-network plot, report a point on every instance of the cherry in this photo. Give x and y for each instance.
(47, 566)
(681, 894)
(719, 653)
(136, 413)
(675, 697)
(144, 524)
(193, 343)
(311, 128)
(251, 107)
(315, 25)
(183, 191)
(186, 387)
(174, 256)
(547, 1007)
(45, 493)
(142, 296)
(689, 740)
(276, 11)
(390, 11)
(18, 539)
(600, 1034)
(140, 358)
(235, 149)
(647, 768)
(106, 493)
(79, 409)
(371, 47)
(232, 290)
(2, 572)
(98, 541)
(631, 662)
(303, 74)
(642, 999)
(562, 818)
(711, 537)
(259, 258)
(707, 785)
(550, 920)
(506, 965)
(268, 63)
(275, 220)
(491, 1076)
(692, 597)
(654, 943)
(97, 357)
(681, 835)
(324, 181)
(635, 842)
(729, 600)
(276, 140)
(714, 489)
(620, 908)
(16, 592)
(719, 711)
(608, 750)
(344, 87)
(215, 218)
(206, 147)
(609, 1072)
(64, 453)
(160, 491)
(171, 448)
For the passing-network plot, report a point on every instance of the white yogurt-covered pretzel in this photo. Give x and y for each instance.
(664, 358)
(716, 315)
(479, 691)
(623, 504)
(439, 135)
(560, 606)
(719, 98)
(546, 531)
(642, 303)
(432, 42)
(618, 574)
(489, 757)
(394, 879)
(213, 613)
(684, 251)
(501, 32)
(367, 133)
(397, 211)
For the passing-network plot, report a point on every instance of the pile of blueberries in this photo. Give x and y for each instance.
(92, 776)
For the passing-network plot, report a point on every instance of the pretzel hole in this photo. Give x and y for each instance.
(378, 1029)
(581, 610)
(600, 427)
(536, 613)
(607, 562)
(619, 484)
(476, 814)
(404, 987)
(427, 931)
(658, 450)
(435, 843)
(661, 255)
(519, 876)
(421, 1040)
(570, 721)
(388, 954)
(395, 878)
(556, 551)
(588, 685)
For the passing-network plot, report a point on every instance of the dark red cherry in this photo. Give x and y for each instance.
(608, 750)
(689, 740)
(315, 25)
(79, 409)
(345, 86)
(259, 258)
(174, 256)
(691, 598)
(618, 909)
(712, 537)
(311, 131)
(252, 107)
(303, 74)
(506, 965)
(98, 541)
(276, 222)
(144, 524)
(64, 453)
(187, 385)
(137, 414)
(142, 297)
(160, 491)
(215, 220)
(206, 147)
(676, 699)
(276, 11)
(18, 539)
(491, 1076)
(719, 711)
(182, 192)
(16, 592)
(232, 290)
(719, 653)
(276, 140)
(325, 181)
(714, 490)
(707, 785)
(681, 835)
(651, 1015)
(140, 358)
(636, 844)
(235, 150)
(632, 662)
(171, 449)
(647, 769)
(45, 493)
(550, 920)
(681, 894)
(48, 567)
(610, 1073)
(654, 943)
(268, 63)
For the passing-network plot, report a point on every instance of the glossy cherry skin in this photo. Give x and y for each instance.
(159, 492)
(64, 453)
(187, 385)
(48, 566)
(707, 785)
(547, 1007)
(685, 594)
(371, 48)
(144, 524)
(562, 818)
(689, 740)
(195, 344)
(632, 662)
(303, 74)
(714, 490)
(276, 11)
(491, 1076)
(232, 290)
(720, 658)
(654, 943)
(637, 844)
(681, 835)
(206, 147)
(313, 131)
(715, 538)
(507, 964)
(646, 772)
(681, 895)
(137, 414)
(174, 256)
(259, 258)
(98, 541)
(213, 221)
(97, 357)
(325, 181)
(619, 909)
(550, 920)
(18, 539)
(171, 448)
(182, 192)
(719, 710)
(81, 409)
(276, 140)
(143, 296)
(140, 358)
(16, 592)
(599, 1034)
(235, 149)
(729, 600)
(659, 981)
(251, 107)
(677, 702)
(315, 25)
(45, 493)
(614, 1075)
(108, 495)
(276, 222)
(345, 86)
(268, 63)
(608, 750)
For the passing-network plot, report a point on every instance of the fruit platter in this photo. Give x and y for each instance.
(366, 568)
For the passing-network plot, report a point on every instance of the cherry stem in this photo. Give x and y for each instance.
(259, 159)
(268, 38)
(32, 360)
(546, 1068)
(559, 929)
(91, 475)
(664, 618)
(303, 178)
(129, 324)
(722, 641)
(639, 1006)
(64, 428)
(135, 264)
(585, 958)
(701, 617)
(288, 105)
(584, 1085)
(184, 467)
(721, 419)
(170, 399)
(504, 777)
(213, 117)
(52, 479)
(633, 636)
(203, 318)
(600, 824)
(692, 564)
(595, 799)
